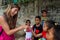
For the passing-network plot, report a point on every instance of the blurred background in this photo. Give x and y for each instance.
(31, 8)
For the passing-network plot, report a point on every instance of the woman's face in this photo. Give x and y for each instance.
(14, 11)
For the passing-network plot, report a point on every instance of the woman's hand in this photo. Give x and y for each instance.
(23, 27)
(7, 29)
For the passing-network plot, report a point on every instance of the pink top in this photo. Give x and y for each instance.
(28, 30)
(4, 36)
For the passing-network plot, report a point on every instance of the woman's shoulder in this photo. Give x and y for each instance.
(1, 18)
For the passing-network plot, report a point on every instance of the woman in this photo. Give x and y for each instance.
(8, 23)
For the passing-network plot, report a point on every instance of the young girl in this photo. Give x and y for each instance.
(44, 31)
(28, 31)
(49, 27)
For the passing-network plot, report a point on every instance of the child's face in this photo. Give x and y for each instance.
(45, 27)
(44, 14)
(37, 20)
(50, 34)
(28, 23)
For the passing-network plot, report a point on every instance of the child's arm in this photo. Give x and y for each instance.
(33, 33)
(36, 35)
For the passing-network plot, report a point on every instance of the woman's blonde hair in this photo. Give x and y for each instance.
(11, 20)
(10, 6)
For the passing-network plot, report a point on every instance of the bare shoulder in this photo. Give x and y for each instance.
(2, 19)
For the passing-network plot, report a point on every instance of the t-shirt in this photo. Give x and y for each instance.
(37, 30)
(28, 32)
(44, 34)
(44, 19)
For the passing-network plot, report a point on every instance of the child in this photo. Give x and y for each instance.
(44, 16)
(44, 31)
(28, 31)
(43, 19)
(37, 28)
(48, 30)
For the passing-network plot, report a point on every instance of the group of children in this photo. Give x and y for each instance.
(38, 30)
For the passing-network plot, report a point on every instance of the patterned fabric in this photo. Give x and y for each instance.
(28, 39)
(28, 34)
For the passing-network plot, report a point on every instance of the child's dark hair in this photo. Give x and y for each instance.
(38, 17)
(57, 33)
(50, 24)
(28, 21)
(44, 11)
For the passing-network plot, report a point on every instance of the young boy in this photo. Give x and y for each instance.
(37, 28)
(44, 16)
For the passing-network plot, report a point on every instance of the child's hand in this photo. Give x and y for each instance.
(29, 29)
(38, 35)
(45, 27)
